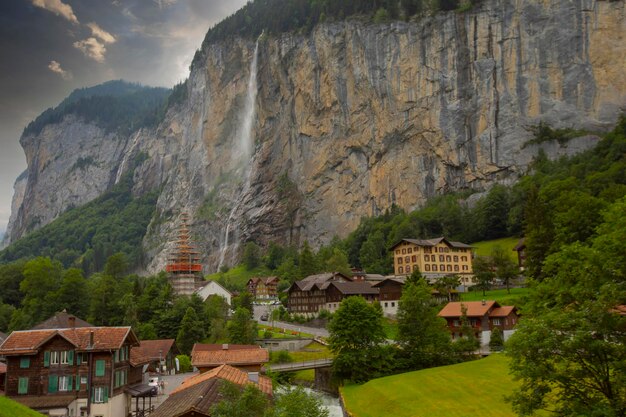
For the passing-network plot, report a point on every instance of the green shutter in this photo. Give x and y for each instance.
(53, 383)
(78, 382)
(106, 394)
(69, 382)
(46, 358)
(70, 357)
(93, 394)
(22, 386)
(78, 358)
(24, 363)
(100, 364)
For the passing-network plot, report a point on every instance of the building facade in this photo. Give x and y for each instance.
(265, 288)
(212, 288)
(308, 296)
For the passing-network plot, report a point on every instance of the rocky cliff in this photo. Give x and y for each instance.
(346, 121)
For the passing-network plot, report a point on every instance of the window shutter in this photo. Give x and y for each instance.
(100, 364)
(93, 393)
(70, 357)
(53, 383)
(79, 356)
(78, 382)
(69, 382)
(106, 394)
(22, 386)
(46, 358)
(24, 363)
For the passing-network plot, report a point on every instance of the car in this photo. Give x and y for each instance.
(264, 317)
(276, 303)
(154, 383)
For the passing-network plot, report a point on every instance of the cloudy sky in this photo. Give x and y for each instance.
(50, 47)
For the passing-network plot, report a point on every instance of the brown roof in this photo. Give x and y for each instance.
(474, 308)
(210, 347)
(105, 338)
(256, 355)
(45, 401)
(621, 310)
(433, 242)
(62, 320)
(228, 373)
(198, 399)
(355, 288)
(156, 349)
(321, 280)
(503, 311)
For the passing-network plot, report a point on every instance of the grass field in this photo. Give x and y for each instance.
(391, 328)
(516, 297)
(10, 408)
(469, 389)
(507, 243)
(277, 333)
(238, 276)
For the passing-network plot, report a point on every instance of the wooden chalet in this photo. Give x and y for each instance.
(72, 371)
(308, 296)
(160, 355)
(483, 316)
(249, 358)
(336, 292)
(197, 394)
(263, 288)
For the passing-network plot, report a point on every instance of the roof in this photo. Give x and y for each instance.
(395, 280)
(45, 401)
(208, 347)
(155, 349)
(264, 280)
(228, 373)
(307, 283)
(474, 308)
(62, 320)
(213, 283)
(433, 242)
(355, 288)
(229, 356)
(199, 398)
(503, 311)
(621, 310)
(27, 342)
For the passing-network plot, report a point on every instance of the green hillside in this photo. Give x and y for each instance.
(469, 389)
(485, 247)
(10, 408)
(237, 277)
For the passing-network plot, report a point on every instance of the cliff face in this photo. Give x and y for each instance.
(347, 121)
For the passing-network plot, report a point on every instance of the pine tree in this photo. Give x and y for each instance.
(191, 331)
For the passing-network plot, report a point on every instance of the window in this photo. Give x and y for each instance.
(398, 252)
(399, 260)
(54, 358)
(414, 258)
(386, 304)
(441, 258)
(100, 395)
(449, 268)
(100, 364)
(409, 250)
(448, 258)
(442, 268)
(407, 259)
(401, 270)
(64, 357)
(456, 323)
(408, 269)
(116, 357)
(22, 386)
(434, 267)
(65, 383)
(446, 250)
(427, 267)
(83, 380)
(497, 322)
(393, 304)
(464, 258)
(427, 250)
(404, 251)
(456, 258)
(24, 363)
(456, 268)
(465, 268)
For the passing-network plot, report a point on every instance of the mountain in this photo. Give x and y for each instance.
(299, 134)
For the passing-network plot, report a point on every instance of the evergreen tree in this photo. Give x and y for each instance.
(241, 328)
(505, 268)
(496, 342)
(338, 262)
(191, 331)
(467, 343)
(251, 255)
(483, 273)
(307, 263)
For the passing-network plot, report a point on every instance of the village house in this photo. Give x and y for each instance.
(213, 288)
(74, 371)
(434, 258)
(483, 316)
(160, 355)
(263, 288)
(308, 296)
(197, 394)
(336, 292)
(249, 358)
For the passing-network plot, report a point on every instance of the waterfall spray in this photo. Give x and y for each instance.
(245, 147)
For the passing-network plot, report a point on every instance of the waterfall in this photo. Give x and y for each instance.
(244, 148)
(124, 163)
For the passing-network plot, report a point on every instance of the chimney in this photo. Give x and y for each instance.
(91, 339)
(225, 346)
(253, 377)
(72, 321)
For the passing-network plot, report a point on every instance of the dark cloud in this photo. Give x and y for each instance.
(50, 47)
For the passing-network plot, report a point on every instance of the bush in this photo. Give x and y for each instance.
(184, 363)
(280, 356)
(381, 16)
(496, 343)
(268, 334)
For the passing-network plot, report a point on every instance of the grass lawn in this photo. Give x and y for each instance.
(311, 352)
(277, 333)
(507, 243)
(238, 276)
(10, 408)
(391, 328)
(468, 389)
(307, 375)
(516, 297)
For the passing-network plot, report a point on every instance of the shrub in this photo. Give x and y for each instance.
(184, 363)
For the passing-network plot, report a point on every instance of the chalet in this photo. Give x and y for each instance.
(520, 248)
(308, 296)
(249, 358)
(483, 317)
(434, 258)
(76, 371)
(213, 288)
(263, 288)
(390, 292)
(160, 355)
(336, 292)
(197, 394)
(62, 320)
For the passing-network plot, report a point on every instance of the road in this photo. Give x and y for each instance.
(259, 310)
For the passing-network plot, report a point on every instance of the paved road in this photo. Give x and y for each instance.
(263, 309)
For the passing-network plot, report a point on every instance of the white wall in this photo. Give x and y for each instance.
(213, 288)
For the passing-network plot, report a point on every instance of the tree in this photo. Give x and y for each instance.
(251, 255)
(496, 342)
(447, 285)
(288, 270)
(42, 278)
(307, 263)
(116, 265)
(483, 273)
(338, 262)
(241, 328)
(415, 278)
(191, 331)
(356, 332)
(244, 300)
(421, 333)
(73, 295)
(568, 352)
(237, 402)
(467, 343)
(504, 267)
(297, 403)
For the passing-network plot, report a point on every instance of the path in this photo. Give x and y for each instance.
(259, 310)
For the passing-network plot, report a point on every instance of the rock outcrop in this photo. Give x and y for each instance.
(349, 120)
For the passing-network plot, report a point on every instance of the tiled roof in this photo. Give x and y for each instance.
(104, 338)
(45, 401)
(62, 320)
(397, 280)
(433, 242)
(474, 308)
(621, 310)
(229, 356)
(210, 347)
(355, 288)
(199, 399)
(156, 349)
(502, 311)
(321, 280)
(228, 373)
